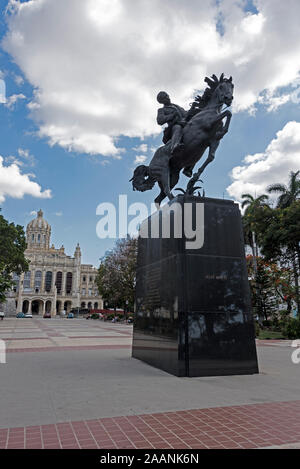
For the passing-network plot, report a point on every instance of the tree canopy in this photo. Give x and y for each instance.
(116, 274)
(12, 259)
(277, 235)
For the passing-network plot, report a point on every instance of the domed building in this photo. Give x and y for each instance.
(55, 281)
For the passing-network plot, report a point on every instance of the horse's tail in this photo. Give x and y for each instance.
(142, 181)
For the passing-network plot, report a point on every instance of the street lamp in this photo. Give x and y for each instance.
(126, 308)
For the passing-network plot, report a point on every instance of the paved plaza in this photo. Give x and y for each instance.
(73, 384)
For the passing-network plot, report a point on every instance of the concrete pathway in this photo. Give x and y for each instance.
(61, 371)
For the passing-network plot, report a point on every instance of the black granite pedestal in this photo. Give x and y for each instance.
(193, 311)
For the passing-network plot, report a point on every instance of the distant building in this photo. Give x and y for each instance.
(55, 281)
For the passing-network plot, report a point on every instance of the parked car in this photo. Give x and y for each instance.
(47, 316)
(70, 316)
(28, 315)
(20, 315)
(2, 315)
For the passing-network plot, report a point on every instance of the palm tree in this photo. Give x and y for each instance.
(288, 194)
(252, 204)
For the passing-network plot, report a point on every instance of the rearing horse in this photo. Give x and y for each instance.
(204, 130)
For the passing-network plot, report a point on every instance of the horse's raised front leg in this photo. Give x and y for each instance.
(220, 134)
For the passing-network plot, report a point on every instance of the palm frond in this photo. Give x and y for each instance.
(277, 188)
(284, 200)
(294, 183)
(248, 196)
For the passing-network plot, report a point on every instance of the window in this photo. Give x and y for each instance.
(38, 280)
(16, 280)
(90, 292)
(84, 278)
(91, 279)
(48, 281)
(32, 238)
(58, 282)
(39, 238)
(26, 283)
(83, 292)
(69, 282)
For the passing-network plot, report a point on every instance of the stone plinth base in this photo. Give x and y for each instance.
(193, 311)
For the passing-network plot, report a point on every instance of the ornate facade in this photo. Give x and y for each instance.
(55, 281)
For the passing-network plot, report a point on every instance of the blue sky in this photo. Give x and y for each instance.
(80, 176)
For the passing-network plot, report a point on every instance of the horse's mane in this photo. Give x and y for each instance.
(200, 102)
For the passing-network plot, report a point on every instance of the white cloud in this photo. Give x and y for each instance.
(274, 165)
(15, 184)
(98, 64)
(139, 159)
(59, 214)
(25, 154)
(33, 213)
(2, 90)
(27, 158)
(18, 79)
(143, 148)
(13, 99)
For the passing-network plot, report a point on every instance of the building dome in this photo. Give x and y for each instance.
(38, 233)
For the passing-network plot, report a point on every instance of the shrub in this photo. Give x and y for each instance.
(267, 323)
(257, 329)
(291, 329)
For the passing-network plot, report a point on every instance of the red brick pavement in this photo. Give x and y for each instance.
(246, 426)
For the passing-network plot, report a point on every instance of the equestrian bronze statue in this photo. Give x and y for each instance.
(187, 135)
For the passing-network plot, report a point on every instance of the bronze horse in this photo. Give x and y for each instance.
(204, 129)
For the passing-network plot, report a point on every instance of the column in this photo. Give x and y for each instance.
(20, 298)
(54, 303)
(32, 278)
(53, 288)
(63, 283)
(43, 280)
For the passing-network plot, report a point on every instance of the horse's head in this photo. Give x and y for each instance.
(221, 89)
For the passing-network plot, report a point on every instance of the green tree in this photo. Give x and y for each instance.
(280, 238)
(116, 274)
(256, 208)
(288, 194)
(12, 259)
(262, 289)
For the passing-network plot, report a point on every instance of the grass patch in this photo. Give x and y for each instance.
(270, 335)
